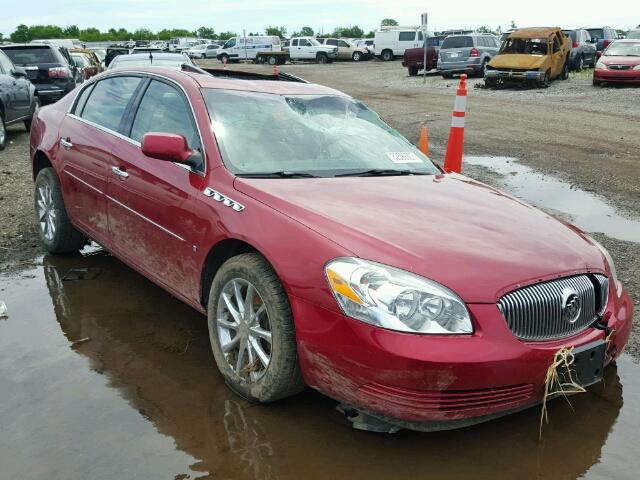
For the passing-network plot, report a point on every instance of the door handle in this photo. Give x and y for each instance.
(66, 143)
(120, 173)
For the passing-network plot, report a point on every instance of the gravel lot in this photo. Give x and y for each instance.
(586, 136)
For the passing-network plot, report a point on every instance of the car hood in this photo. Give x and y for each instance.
(461, 233)
(532, 62)
(607, 60)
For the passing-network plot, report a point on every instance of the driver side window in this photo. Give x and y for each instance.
(556, 45)
(163, 109)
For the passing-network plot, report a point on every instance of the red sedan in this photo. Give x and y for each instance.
(324, 248)
(619, 63)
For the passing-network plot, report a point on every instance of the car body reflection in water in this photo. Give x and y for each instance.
(155, 353)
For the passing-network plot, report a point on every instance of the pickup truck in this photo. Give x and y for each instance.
(301, 48)
(414, 57)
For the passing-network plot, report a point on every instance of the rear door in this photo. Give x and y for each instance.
(14, 91)
(151, 202)
(86, 137)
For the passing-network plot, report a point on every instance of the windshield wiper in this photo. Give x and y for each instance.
(380, 172)
(280, 174)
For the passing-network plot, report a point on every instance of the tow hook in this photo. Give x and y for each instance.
(364, 421)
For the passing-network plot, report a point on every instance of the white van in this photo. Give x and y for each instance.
(246, 48)
(388, 44)
(177, 44)
(59, 42)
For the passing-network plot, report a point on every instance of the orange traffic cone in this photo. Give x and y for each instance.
(423, 142)
(455, 146)
(275, 71)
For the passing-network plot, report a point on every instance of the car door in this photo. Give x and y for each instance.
(345, 51)
(10, 91)
(306, 49)
(557, 59)
(86, 137)
(150, 208)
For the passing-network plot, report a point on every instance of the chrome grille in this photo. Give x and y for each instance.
(536, 312)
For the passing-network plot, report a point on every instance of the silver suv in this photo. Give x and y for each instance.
(466, 54)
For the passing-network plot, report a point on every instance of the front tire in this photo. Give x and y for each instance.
(413, 71)
(57, 235)
(252, 332)
(322, 58)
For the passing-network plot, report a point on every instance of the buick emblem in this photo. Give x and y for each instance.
(571, 305)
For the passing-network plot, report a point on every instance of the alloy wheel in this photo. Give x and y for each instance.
(244, 329)
(46, 212)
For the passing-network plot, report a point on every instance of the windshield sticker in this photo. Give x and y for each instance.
(403, 157)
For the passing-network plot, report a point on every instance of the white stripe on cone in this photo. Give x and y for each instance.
(460, 104)
(457, 122)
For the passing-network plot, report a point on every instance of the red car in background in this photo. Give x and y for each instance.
(413, 58)
(619, 63)
(323, 247)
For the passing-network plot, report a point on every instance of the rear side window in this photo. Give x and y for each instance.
(596, 32)
(407, 36)
(457, 42)
(82, 100)
(31, 55)
(109, 100)
(164, 109)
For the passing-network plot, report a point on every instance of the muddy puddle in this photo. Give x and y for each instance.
(587, 210)
(105, 376)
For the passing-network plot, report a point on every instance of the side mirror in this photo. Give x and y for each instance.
(19, 72)
(166, 146)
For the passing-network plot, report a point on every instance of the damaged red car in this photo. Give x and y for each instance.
(323, 247)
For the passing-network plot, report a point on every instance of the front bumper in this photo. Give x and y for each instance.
(622, 76)
(436, 382)
(527, 75)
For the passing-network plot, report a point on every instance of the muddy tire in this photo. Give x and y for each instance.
(386, 55)
(57, 235)
(252, 334)
(3, 132)
(36, 106)
(413, 71)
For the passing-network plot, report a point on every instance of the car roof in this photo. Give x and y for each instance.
(205, 80)
(627, 40)
(534, 32)
(159, 56)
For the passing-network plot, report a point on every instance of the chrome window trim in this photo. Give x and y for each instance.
(124, 73)
(104, 129)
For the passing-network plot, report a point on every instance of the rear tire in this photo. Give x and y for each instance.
(57, 235)
(580, 63)
(242, 359)
(272, 60)
(3, 132)
(387, 55)
(356, 57)
(36, 107)
(565, 71)
(413, 71)
(480, 73)
(447, 75)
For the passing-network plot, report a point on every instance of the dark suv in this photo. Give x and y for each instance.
(48, 67)
(466, 54)
(602, 37)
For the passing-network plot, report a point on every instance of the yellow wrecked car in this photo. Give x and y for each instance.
(532, 55)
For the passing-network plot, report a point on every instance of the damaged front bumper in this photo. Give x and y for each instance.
(525, 75)
(388, 380)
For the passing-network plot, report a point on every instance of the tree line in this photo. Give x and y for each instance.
(24, 33)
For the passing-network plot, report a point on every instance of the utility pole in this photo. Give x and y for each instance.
(425, 46)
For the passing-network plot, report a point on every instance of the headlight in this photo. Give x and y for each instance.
(637, 67)
(601, 65)
(612, 267)
(394, 299)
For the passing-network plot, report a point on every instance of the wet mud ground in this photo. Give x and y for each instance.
(117, 380)
(104, 375)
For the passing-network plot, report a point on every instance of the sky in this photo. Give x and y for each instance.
(324, 15)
